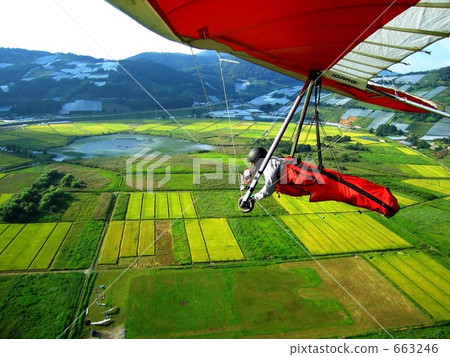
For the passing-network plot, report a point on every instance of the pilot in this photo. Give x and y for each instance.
(271, 172)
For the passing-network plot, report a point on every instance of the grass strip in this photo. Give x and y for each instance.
(120, 209)
(3, 227)
(180, 243)
(78, 249)
(5, 197)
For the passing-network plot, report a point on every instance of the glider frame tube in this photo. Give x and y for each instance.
(302, 119)
(409, 102)
(309, 83)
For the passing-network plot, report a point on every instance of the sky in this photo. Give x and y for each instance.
(95, 28)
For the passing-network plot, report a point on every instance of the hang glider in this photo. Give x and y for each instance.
(347, 41)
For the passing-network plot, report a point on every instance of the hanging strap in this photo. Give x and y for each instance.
(317, 121)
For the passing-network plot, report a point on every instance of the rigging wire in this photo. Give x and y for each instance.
(204, 91)
(229, 120)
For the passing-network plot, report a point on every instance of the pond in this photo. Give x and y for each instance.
(123, 145)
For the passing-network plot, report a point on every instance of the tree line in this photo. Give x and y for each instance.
(43, 196)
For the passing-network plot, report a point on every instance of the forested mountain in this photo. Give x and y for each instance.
(37, 82)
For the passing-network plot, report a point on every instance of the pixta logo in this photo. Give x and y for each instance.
(148, 161)
(213, 169)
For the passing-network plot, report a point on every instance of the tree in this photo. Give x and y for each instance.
(67, 180)
(387, 129)
(422, 144)
(267, 108)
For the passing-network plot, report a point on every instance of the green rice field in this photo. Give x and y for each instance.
(22, 250)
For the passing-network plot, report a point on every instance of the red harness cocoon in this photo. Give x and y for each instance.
(328, 185)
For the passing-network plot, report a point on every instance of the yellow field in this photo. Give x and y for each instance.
(162, 206)
(197, 246)
(220, 241)
(342, 233)
(111, 244)
(422, 278)
(403, 200)
(147, 238)
(187, 205)
(93, 128)
(41, 129)
(301, 205)
(5, 197)
(424, 170)
(130, 239)
(67, 129)
(148, 206)
(441, 186)
(408, 151)
(174, 205)
(116, 126)
(134, 206)
(151, 125)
